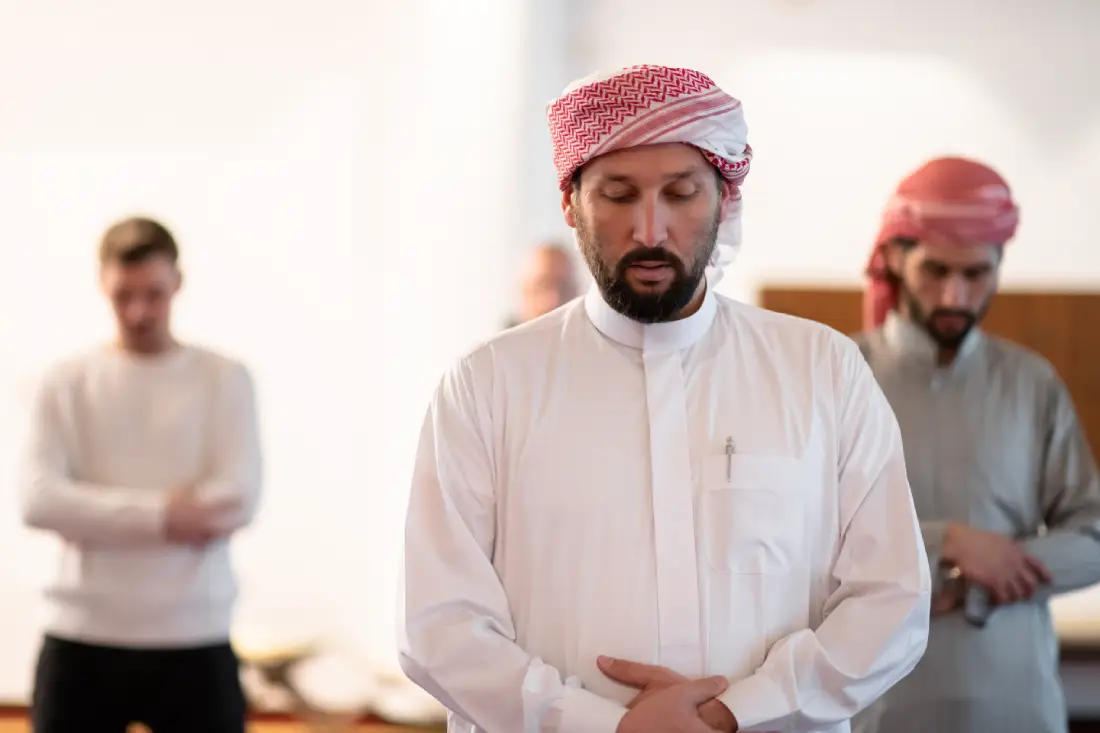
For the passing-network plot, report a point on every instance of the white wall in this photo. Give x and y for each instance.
(335, 172)
(843, 97)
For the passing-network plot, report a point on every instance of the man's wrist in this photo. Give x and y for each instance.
(948, 552)
(729, 722)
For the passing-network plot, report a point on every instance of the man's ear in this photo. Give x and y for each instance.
(730, 199)
(569, 207)
(894, 252)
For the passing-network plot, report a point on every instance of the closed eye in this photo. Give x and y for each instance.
(682, 196)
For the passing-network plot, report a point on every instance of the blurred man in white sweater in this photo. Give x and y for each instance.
(145, 459)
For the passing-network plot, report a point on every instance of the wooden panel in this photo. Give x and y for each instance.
(1060, 326)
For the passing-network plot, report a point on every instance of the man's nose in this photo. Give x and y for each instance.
(955, 292)
(134, 312)
(651, 222)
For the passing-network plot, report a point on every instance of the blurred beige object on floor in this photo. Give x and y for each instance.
(327, 685)
(275, 665)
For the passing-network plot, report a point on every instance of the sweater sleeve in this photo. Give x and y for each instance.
(81, 512)
(236, 469)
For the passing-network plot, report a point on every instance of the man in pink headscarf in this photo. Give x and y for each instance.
(655, 508)
(945, 203)
(1005, 486)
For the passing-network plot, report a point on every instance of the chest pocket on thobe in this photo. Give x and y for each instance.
(752, 514)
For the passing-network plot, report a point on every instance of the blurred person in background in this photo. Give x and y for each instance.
(658, 509)
(1004, 481)
(144, 459)
(548, 280)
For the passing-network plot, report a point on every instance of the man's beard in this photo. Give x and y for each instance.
(927, 321)
(648, 307)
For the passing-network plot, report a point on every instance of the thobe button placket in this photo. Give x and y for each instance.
(679, 625)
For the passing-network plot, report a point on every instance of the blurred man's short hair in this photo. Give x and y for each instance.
(137, 239)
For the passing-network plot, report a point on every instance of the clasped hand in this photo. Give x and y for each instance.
(992, 561)
(669, 702)
(191, 519)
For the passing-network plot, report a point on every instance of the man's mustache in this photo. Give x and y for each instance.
(952, 312)
(656, 255)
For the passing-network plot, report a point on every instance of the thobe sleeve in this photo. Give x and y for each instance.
(876, 618)
(236, 468)
(79, 511)
(456, 637)
(932, 530)
(1070, 496)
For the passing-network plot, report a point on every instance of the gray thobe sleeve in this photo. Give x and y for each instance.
(932, 532)
(1069, 493)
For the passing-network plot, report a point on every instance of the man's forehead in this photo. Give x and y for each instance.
(151, 270)
(958, 254)
(649, 162)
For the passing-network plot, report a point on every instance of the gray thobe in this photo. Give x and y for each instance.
(992, 441)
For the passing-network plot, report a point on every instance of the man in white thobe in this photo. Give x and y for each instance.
(654, 508)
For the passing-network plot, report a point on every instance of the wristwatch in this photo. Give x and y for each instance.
(975, 599)
(951, 582)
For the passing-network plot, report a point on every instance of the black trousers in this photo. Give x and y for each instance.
(88, 688)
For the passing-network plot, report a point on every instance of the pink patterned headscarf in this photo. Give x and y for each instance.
(649, 105)
(957, 199)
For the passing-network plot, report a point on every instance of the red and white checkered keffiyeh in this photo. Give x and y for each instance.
(649, 105)
(953, 199)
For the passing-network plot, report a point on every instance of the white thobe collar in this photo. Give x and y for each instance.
(909, 340)
(649, 337)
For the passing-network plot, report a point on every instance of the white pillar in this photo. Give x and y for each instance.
(457, 177)
(550, 57)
